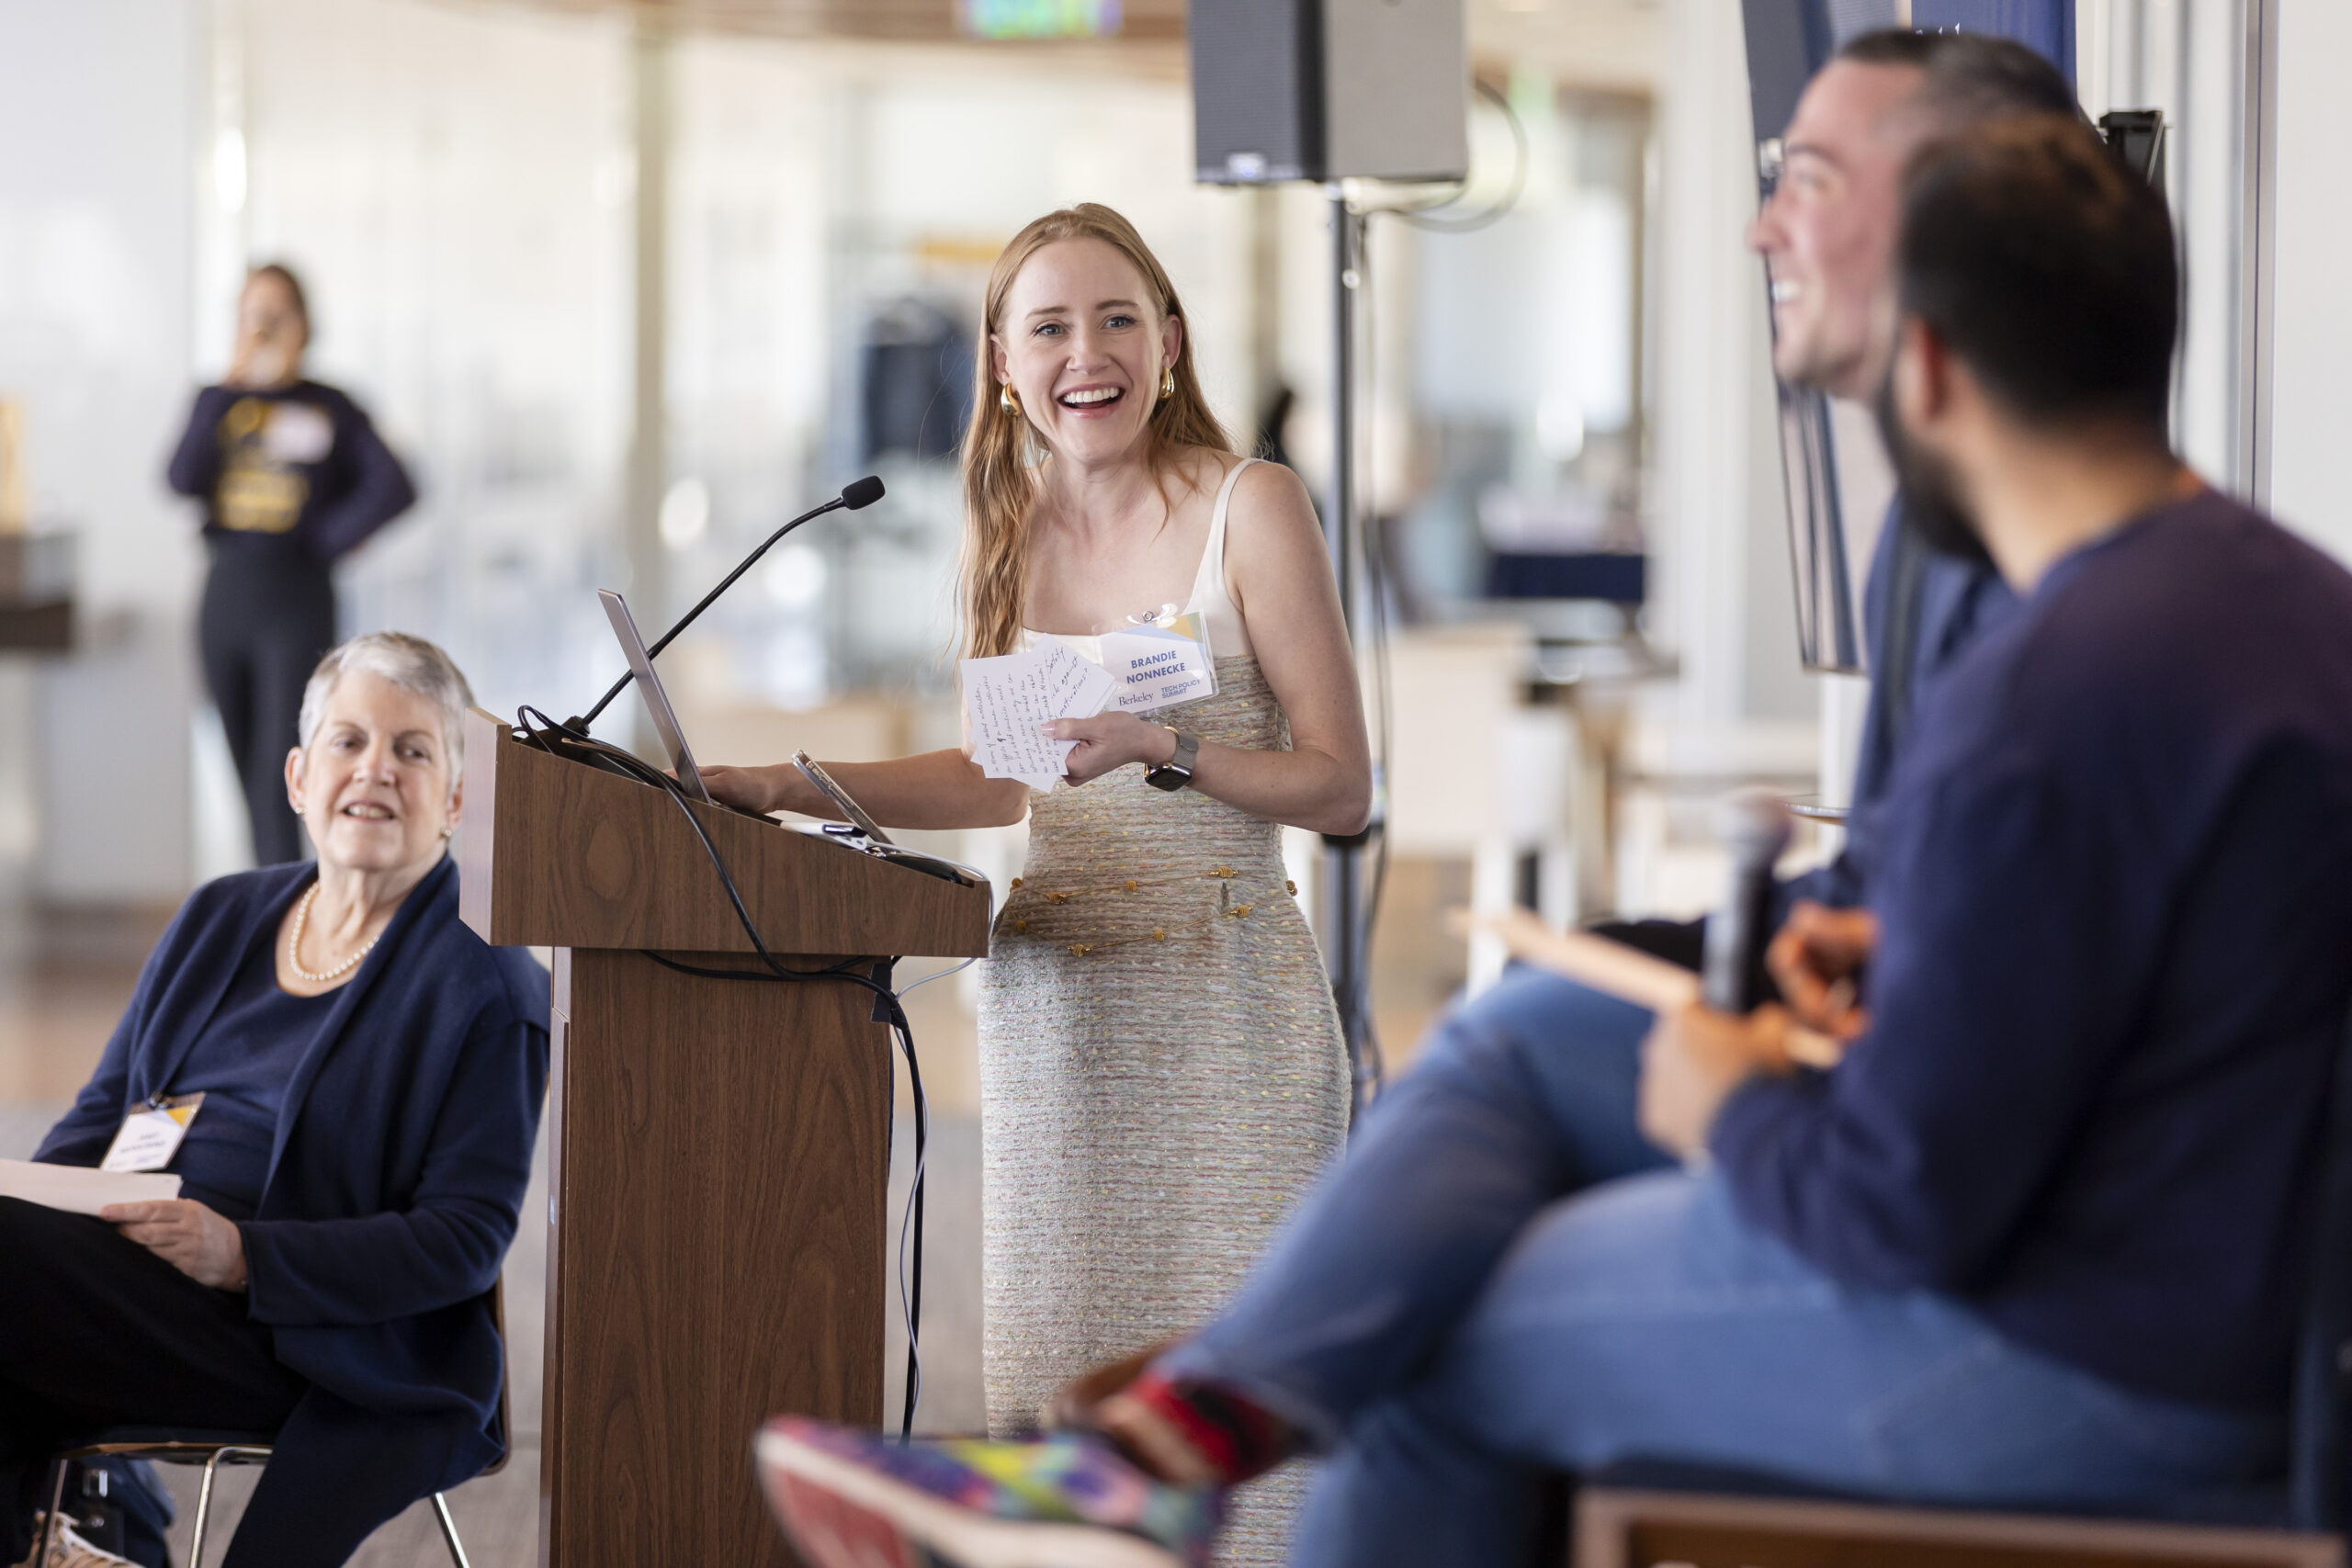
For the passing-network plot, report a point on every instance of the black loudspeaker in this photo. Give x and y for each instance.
(1326, 89)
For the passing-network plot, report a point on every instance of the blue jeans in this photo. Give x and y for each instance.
(1503, 1279)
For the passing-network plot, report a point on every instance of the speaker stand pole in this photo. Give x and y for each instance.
(1341, 854)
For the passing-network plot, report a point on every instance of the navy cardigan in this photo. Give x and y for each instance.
(402, 1149)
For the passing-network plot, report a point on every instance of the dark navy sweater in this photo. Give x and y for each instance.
(2114, 881)
(300, 463)
(396, 1171)
(241, 1064)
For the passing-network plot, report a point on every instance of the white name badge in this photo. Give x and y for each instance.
(297, 433)
(1157, 666)
(150, 1137)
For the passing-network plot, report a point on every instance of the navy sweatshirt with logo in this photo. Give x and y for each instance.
(301, 463)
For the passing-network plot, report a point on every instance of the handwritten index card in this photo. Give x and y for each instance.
(1007, 701)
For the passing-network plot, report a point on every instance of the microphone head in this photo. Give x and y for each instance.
(861, 492)
(1754, 824)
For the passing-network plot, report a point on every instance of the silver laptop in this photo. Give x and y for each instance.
(657, 701)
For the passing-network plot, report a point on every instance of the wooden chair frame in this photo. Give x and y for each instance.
(1623, 1528)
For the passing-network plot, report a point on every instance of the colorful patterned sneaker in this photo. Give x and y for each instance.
(855, 1499)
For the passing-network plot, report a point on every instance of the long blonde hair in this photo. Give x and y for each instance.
(1000, 489)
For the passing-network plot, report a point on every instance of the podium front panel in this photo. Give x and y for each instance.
(715, 1253)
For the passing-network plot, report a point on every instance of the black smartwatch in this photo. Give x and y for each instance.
(1177, 772)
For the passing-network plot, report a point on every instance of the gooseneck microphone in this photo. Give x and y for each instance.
(1754, 824)
(854, 496)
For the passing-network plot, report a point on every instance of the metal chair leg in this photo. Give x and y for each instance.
(49, 1520)
(203, 1510)
(448, 1530)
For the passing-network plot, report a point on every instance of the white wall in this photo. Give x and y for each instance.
(453, 184)
(379, 136)
(815, 186)
(1724, 601)
(2310, 460)
(97, 112)
(2186, 57)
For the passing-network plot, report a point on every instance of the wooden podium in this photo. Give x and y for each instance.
(717, 1237)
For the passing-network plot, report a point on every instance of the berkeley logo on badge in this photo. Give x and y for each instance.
(1156, 666)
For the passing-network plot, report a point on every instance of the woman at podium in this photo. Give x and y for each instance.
(1161, 1071)
(347, 1082)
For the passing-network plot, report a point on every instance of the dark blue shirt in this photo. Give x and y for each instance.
(242, 1062)
(1942, 604)
(1920, 610)
(2114, 882)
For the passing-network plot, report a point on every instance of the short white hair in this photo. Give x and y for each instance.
(409, 662)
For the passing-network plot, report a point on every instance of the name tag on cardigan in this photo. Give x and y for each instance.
(150, 1137)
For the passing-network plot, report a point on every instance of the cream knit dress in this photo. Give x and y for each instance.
(1161, 1072)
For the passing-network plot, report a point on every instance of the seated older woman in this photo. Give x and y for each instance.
(371, 1074)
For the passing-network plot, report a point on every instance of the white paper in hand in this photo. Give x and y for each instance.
(1007, 701)
(78, 1189)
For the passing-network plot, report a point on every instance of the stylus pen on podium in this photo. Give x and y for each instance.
(854, 496)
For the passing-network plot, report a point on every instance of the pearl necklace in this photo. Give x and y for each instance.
(294, 944)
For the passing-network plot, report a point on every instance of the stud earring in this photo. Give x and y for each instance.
(1007, 401)
(1167, 383)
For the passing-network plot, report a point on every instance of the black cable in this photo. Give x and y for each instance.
(645, 773)
(558, 740)
(1370, 1072)
(1470, 223)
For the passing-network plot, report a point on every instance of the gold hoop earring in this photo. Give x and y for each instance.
(1167, 383)
(1007, 401)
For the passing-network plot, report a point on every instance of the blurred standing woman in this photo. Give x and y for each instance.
(1161, 1072)
(292, 477)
